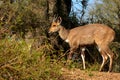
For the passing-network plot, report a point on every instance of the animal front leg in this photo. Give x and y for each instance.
(83, 56)
(70, 54)
(72, 49)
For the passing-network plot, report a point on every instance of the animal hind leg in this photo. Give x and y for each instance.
(104, 57)
(110, 54)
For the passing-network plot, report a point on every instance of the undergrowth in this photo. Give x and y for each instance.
(16, 63)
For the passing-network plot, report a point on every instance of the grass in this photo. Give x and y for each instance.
(90, 74)
(17, 63)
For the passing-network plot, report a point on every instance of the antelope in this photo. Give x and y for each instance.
(99, 35)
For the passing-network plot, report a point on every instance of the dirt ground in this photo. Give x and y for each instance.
(77, 74)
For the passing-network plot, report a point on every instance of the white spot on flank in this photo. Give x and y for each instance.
(66, 40)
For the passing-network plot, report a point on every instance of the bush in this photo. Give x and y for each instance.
(17, 63)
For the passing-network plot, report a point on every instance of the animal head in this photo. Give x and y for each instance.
(55, 26)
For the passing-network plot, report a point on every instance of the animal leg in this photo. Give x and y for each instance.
(71, 53)
(110, 55)
(104, 57)
(83, 56)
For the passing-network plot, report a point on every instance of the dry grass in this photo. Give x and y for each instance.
(17, 63)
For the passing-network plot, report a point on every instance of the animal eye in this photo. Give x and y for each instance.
(54, 25)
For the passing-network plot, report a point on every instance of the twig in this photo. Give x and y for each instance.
(8, 63)
(62, 56)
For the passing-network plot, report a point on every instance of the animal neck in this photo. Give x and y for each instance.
(63, 33)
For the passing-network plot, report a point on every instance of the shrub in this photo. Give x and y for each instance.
(17, 63)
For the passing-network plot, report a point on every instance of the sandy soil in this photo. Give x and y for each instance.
(77, 74)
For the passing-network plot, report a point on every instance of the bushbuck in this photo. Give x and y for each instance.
(99, 35)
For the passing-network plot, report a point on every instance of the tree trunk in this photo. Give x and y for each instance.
(61, 8)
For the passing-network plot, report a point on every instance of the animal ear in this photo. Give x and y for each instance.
(55, 18)
(59, 20)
